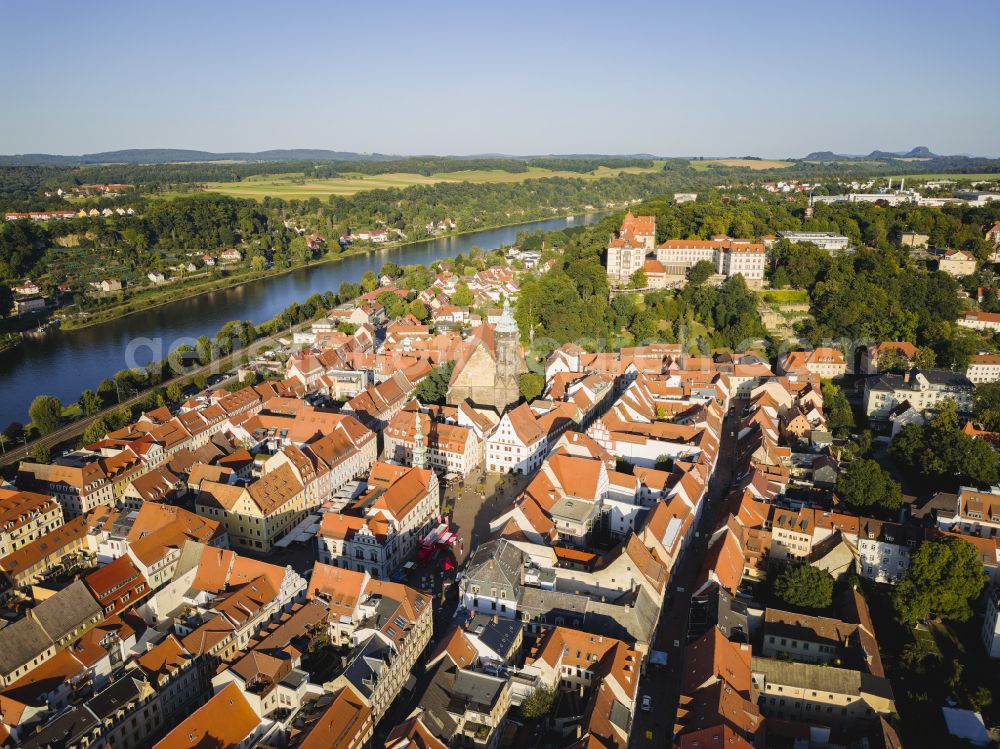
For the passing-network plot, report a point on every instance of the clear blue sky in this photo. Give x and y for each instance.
(771, 78)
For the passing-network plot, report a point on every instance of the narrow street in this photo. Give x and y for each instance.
(662, 684)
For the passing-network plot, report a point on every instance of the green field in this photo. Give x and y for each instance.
(753, 164)
(957, 177)
(786, 296)
(293, 186)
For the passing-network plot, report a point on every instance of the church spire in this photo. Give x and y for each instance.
(419, 445)
(507, 323)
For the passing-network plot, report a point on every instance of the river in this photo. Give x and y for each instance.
(64, 363)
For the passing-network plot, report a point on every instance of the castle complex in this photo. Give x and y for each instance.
(666, 265)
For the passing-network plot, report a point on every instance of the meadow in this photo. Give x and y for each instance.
(753, 164)
(956, 176)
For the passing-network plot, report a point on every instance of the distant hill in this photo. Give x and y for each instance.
(920, 152)
(179, 155)
(182, 155)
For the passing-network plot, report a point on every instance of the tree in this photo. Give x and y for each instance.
(6, 300)
(805, 586)
(892, 361)
(919, 657)
(637, 280)
(119, 417)
(434, 387)
(369, 282)
(90, 402)
(204, 348)
(40, 453)
(462, 296)
(944, 577)
(940, 452)
(257, 263)
(925, 358)
(643, 326)
(106, 389)
(865, 484)
(393, 304)
(14, 432)
(531, 385)
(419, 310)
(539, 703)
(95, 431)
(839, 416)
(175, 392)
(701, 272)
(986, 405)
(780, 278)
(45, 413)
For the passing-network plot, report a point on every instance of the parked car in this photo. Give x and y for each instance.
(647, 703)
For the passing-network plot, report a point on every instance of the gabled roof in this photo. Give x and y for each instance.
(344, 724)
(226, 720)
(524, 424)
(711, 658)
(457, 647)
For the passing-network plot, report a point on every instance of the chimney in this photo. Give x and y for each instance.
(491, 562)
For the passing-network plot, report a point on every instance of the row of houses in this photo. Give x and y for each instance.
(64, 215)
(174, 636)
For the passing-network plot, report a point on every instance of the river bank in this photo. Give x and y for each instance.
(148, 299)
(64, 362)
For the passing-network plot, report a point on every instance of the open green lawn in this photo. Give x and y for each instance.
(295, 186)
(754, 164)
(786, 296)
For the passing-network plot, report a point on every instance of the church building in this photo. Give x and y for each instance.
(488, 372)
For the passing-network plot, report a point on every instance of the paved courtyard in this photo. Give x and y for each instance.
(483, 497)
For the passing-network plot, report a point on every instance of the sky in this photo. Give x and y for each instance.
(702, 77)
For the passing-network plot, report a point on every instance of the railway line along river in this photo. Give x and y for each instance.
(66, 362)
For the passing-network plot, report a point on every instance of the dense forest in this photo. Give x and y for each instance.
(196, 222)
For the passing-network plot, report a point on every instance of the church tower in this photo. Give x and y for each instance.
(507, 345)
(419, 445)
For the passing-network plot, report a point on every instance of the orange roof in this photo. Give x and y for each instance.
(48, 546)
(247, 570)
(638, 224)
(712, 657)
(18, 508)
(525, 426)
(413, 734)
(458, 647)
(345, 724)
(340, 587)
(164, 659)
(403, 493)
(605, 657)
(224, 721)
(653, 266)
(723, 245)
(905, 348)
